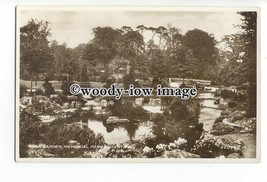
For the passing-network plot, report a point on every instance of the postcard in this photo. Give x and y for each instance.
(137, 84)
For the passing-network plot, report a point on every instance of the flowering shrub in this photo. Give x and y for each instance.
(117, 151)
(211, 146)
(160, 148)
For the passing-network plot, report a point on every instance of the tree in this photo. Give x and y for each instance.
(249, 36)
(239, 61)
(35, 53)
(105, 41)
(132, 44)
(64, 62)
(203, 48)
(159, 66)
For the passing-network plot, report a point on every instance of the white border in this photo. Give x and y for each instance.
(208, 172)
(158, 9)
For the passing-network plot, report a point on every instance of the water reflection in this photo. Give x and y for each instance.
(119, 133)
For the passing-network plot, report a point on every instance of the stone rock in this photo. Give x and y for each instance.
(43, 105)
(78, 104)
(39, 99)
(73, 104)
(247, 125)
(221, 129)
(234, 155)
(227, 120)
(26, 100)
(72, 98)
(237, 115)
(139, 101)
(66, 105)
(225, 112)
(54, 96)
(34, 153)
(47, 118)
(214, 146)
(219, 119)
(177, 153)
(154, 102)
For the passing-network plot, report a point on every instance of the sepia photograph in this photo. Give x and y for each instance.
(137, 84)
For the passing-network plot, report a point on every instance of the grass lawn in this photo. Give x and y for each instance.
(57, 85)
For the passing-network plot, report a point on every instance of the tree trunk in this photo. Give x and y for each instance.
(35, 79)
(31, 84)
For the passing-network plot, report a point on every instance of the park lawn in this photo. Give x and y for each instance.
(57, 85)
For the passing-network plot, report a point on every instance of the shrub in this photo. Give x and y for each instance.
(66, 87)
(31, 131)
(48, 88)
(228, 94)
(62, 135)
(179, 120)
(22, 91)
(39, 92)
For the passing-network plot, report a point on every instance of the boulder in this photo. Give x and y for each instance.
(221, 129)
(26, 100)
(214, 146)
(73, 104)
(234, 155)
(248, 125)
(43, 105)
(66, 105)
(139, 101)
(237, 115)
(72, 98)
(226, 112)
(39, 99)
(219, 119)
(177, 153)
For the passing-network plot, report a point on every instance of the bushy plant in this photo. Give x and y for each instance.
(22, 91)
(39, 92)
(48, 88)
(31, 131)
(66, 87)
(228, 94)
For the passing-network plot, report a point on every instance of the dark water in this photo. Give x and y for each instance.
(114, 134)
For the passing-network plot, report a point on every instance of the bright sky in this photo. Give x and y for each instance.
(75, 27)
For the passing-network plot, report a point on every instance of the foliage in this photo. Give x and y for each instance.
(39, 92)
(129, 79)
(48, 88)
(63, 61)
(31, 131)
(22, 90)
(66, 87)
(180, 119)
(228, 94)
(214, 146)
(126, 109)
(35, 54)
(61, 135)
(105, 41)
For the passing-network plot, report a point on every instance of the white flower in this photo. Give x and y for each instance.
(172, 145)
(147, 150)
(180, 141)
(161, 147)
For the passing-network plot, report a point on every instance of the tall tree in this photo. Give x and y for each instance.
(203, 48)
(35, 53)
(240, 58)
(64, 62)
(249, 36)
(105, 40)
